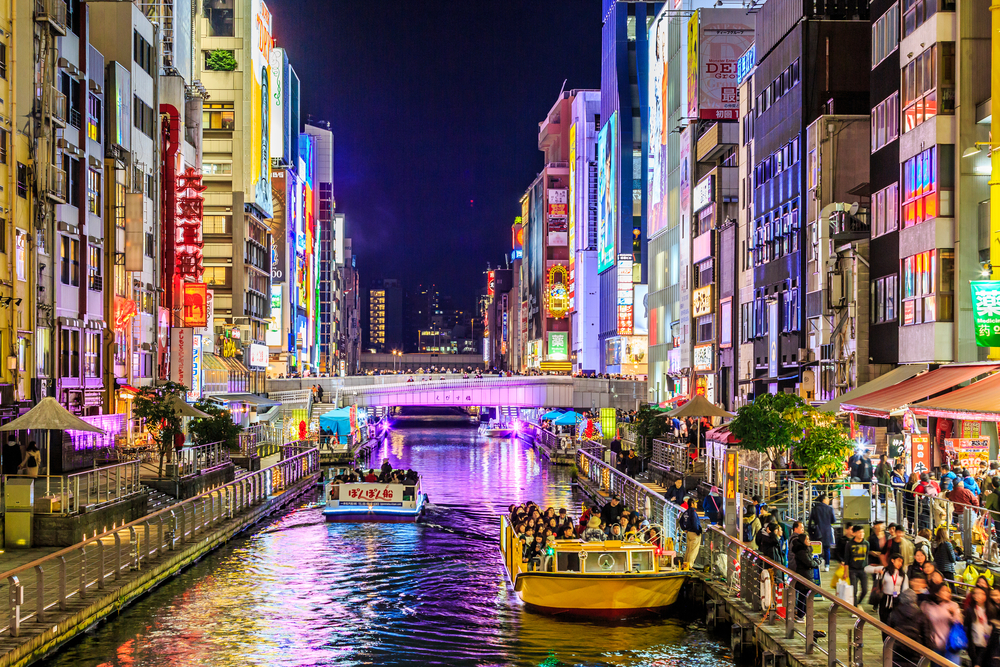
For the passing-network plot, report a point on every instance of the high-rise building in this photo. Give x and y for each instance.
(350, 337)
(385, 315)
(330, 255)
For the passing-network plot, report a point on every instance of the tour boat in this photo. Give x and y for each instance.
(374, 501)
(609, 579)
(495, 430)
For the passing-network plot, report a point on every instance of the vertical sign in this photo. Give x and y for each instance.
(625, 295)
(772, 339)
(692, 63)
(731, 493)
(180, 355)
(572, 216)
(195, 305)
(920, 452)
(195, 392)
(609, 422)
(986, 312)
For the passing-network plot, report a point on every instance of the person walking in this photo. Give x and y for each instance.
(944, 554)
(909, 620)
(820, 523)
(801, 561)
(894, 581)
(857, 561)
(32, 460)
(692, 526)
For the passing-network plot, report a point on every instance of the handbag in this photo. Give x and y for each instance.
(878, 593)
(957, 641)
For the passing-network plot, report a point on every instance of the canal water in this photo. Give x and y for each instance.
(301, 592)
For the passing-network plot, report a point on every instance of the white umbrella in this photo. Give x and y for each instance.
(49, 415)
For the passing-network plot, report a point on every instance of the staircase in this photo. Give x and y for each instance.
(158, 500)
(240, 472)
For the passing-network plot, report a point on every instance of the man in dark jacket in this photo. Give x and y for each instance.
(801, 563)
(857, 559)
(676, 493)
(769, 543)
(692, 526)
(908, 619)
(612, 512)
(840, 548)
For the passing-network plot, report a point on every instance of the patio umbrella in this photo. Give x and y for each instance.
(566, 419)
(554, 414)
(699, 406)
(47, 416)
(182, 409)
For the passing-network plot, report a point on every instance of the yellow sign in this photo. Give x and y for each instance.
(557, 292)
(732, 474)
(701, 301)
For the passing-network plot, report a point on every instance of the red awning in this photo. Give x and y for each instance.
(721, 434)
(979, 400)
(884, 401)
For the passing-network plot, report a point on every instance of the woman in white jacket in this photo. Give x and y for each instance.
(894, 582)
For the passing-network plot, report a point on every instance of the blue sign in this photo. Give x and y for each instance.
(746, 64)
(516, 254)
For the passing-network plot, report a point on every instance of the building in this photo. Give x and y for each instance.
(385, 315)
(237, 161)
(622, 167)
(330, 255)
(744, 216)
(350, 297)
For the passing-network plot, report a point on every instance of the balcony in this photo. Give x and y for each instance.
(58, 113)
(52, 12)
(845, 227)
(56, 188)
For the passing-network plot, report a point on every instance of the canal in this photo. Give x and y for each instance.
(303, 592)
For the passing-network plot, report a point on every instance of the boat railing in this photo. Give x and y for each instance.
(761, 584)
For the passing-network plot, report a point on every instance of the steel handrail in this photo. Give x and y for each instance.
(891, 634)
(126, 483)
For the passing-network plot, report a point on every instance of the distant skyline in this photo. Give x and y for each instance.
(435, 110)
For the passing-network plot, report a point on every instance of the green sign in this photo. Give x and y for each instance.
(986, 312)
(558, 346)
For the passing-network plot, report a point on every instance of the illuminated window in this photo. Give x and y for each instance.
(216, 168)
(928, 181)
(883, 299)
(215, 224)
(928, 85)
(928, 287)
(94, 191)
(218, 116)
(69, 261)
(95, 278)
(216, 275)
(885, 210)
(93, 117)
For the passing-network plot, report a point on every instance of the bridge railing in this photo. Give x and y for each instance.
(671, 456)
(53, 583)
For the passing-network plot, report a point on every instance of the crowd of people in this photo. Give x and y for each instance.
(538, 529)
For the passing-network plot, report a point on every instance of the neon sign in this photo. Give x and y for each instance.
(187, 233)
(557, 292)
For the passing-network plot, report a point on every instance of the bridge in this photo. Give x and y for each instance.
(516, 391)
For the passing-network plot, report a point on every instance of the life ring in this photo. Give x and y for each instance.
(606, 562)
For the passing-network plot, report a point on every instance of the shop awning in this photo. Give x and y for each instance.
(215, 363)
(895, 376)
(884, 401)
(722, 435)
(249, 399)
(979, 401)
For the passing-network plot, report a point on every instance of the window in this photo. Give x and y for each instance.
(3, 235)
(885, 35)
(22, 181)
(216, 275)
(705, 329)
(215, 224)
(72, 168)
(916, 12)
(92, 354)
(927, 289)
(95, 279)
(218, 116)
(69, 261)
(928, 89)
(883, 299)
(151, 186)
(143, 53)
(216, 168)
(4, 141)
(69, 353)
(142, 117)
(149, 244)
(885, 210)
(928, 181)
(790, 310)
(94, 191)
(3, 61)
(885, 122)
(93, 117)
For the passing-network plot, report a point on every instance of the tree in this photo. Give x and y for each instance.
(154, 407)
(650, 424)
(823, 444)
(221, 60)
(217, 427)
(762, 427)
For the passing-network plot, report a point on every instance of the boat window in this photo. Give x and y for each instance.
(603, 562)
(642, 561)
(568, 561)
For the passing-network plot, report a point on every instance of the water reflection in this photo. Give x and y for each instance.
(303, 592)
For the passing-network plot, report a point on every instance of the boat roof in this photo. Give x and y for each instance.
(601, 546)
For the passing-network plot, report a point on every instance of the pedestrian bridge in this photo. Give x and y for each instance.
(515, 391)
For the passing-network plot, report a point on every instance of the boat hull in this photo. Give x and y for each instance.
(374, 513)
(599, 596)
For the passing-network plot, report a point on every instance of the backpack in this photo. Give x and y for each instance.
(682, 521)
(32, 461)
(748, 532)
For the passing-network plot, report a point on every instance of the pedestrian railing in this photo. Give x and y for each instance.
(38, 589)
(671, 456)
(193, 460)
(650, 504)
(837, 632)
(100, 486)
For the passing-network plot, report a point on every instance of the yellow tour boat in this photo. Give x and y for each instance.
(609, 579)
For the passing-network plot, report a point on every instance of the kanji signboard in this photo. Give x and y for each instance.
(986, 312)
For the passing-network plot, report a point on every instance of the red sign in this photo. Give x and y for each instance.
(125, 310)
(490, 282)
(370, 493)
(559, 210)
(195, 305)
(188, 240)
(920, 452)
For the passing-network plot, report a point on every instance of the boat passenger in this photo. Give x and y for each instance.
(567, 532)
(593, 532)
(612, 512)
(386, 468)
(615, 532)
(370, 477)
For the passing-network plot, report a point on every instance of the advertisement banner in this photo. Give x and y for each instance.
(682, 339)
(640, 304)
(658, 130)
(558, 346)
(194, 393)
(609, 422)
(571, 214)
(607, 193)
(195, 305)
(257, 355)
(181, 344)
(701, 301)
(972, 453)
(692, 63)
(986, 312)
(725, 35)
(260, 107)
(279, 107)
(625, 295)
(273, 335)
(920, 452)
(703, 357)
(208, 332)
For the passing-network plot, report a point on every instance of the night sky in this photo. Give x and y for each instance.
(435, 108)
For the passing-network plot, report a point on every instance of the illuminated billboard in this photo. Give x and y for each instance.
(658, 132)
(571, 212)
(716, 40)
(279, 110)
(260, 107)
(607, 193)
(195, 305)
(273, 335)
(625, 295)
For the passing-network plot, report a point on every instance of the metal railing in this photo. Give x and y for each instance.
(652, 505)
(49, 584)
(769, 589)
(100, 486)
(671, 456)
(193, 460)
